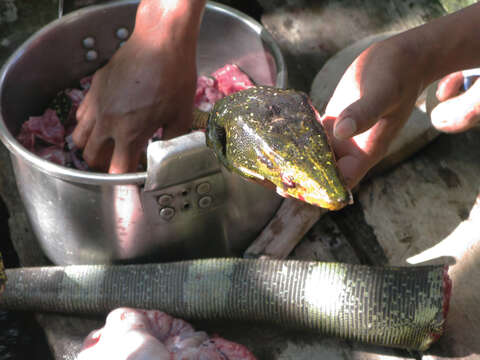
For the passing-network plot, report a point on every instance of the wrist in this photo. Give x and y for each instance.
(162, 24)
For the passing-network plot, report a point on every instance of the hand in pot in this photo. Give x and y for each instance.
(148, 83)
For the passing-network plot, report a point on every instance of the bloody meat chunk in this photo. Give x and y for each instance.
(141, 334)
(231, 79)
(223, 82)
(207, 93)
(46, 127)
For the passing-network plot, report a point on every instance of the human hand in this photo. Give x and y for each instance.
(137, 92)
(149, 82)
(458, 110)
(371, 103)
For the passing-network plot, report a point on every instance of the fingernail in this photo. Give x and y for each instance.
(437, 117)
(345, 128)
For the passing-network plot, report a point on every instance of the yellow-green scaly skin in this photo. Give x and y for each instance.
(274, 134)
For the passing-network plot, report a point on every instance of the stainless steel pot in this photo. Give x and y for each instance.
(186, 205)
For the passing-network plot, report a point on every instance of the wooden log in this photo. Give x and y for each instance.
(291, 222)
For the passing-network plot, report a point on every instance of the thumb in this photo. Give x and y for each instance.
(358, 117)
(459, 113)
(125, 159)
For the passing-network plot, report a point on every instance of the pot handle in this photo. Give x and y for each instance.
(184, 180)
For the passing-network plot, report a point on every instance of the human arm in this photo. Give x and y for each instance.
(379, 89)
(148, 83)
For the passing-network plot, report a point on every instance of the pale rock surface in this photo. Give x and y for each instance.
(428, 211)
(311, 31)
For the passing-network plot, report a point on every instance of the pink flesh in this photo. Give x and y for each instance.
(231, 79)
(447, 293)
(158, 331)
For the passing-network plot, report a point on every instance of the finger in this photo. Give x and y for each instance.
(85, 123)
(125, 158)
(360, 115)
(364, 151)
(182, 125)
(352, 170)
(459, 113)
(98, 150)
(82, 108)
(449, 86)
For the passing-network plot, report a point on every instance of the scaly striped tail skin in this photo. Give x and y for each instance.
(401, 307)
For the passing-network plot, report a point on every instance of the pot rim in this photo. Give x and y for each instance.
(97, 178)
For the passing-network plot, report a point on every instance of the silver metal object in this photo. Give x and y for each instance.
(205, 202)
(203, 188)
(167, 213)
(91, 55)
(86, 217)
(165, 200)
(60, 8)
(88, 42)
(122, 33)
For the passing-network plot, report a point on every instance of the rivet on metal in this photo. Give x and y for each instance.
(164, 199)
(122, 33)
(88, 42)
(91, 55)
(167, 213)
(205, 202)
(203, 188)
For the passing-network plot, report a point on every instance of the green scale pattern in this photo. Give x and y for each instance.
(391, 306)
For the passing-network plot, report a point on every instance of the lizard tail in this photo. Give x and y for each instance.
(391, 306)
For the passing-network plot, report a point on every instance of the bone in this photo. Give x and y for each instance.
(283, 233)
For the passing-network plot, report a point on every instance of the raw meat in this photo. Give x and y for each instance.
(46, 127)
(207, 93)
(141, 334)
(231, 79)
(223, 82)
